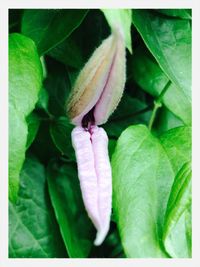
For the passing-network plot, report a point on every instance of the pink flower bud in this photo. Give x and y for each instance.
(99, 86)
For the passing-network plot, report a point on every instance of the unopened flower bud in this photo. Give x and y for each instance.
(99, 86)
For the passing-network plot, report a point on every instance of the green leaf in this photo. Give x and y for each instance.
(76, 228)
(142, 179)
(69, 52)
(48, 28)
(180, 13)
(177, 143)
(175, 231)
(33, 122)
(25, 79)
(60, 131)
(120, 18)
(169, 40)
(25, 73)
(150, 77)
(33, 231)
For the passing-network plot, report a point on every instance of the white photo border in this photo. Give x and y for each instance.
(9, 4)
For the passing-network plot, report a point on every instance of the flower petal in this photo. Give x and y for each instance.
(104, 180)
(95, 176)
(113, 89)
(91, 81)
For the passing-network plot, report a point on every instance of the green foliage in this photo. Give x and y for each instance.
(169, 40)
(177, 144)
(149, 135)
(150, 77)
(175, 237)
(142, 178)
(25, 78)
(60, 131)
(180, 13)
(75, 50)
(75, 226)
(48, 28)
(33, 231)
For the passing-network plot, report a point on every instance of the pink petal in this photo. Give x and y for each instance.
(94, 75)
(104, 180)
(113, 89)
(86, 172)
(95, 176)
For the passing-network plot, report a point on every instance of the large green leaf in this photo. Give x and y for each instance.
(177, 143)
(150, 77)
(175, 235)
(169, 40)
(50, 27)
(33, 231)
(142, 179)
(25, 78)
(76, 228)
(25, 73)
(120, 18)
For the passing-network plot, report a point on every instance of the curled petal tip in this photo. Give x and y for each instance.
(100, 237)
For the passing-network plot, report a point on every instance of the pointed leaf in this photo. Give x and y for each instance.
(142, 179)
(50, 27)
(175, 230)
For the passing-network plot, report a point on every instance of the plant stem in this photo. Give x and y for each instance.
(157, 105)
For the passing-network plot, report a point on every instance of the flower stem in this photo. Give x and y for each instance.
(157, 105)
